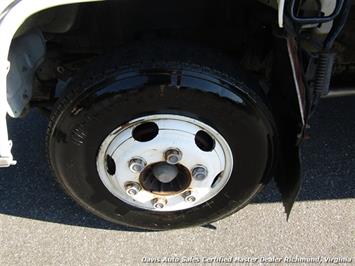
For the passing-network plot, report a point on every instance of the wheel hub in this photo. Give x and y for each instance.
(165, 172)
(165, 162)
(164, 179)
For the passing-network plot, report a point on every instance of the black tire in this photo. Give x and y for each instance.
(161, 78)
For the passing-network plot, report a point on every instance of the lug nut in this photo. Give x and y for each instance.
(133, 189)
(173, 156)
(199, 172)
(188, 197)
(136, 165)
(159, 203)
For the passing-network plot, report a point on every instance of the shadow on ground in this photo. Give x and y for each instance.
(29, 190)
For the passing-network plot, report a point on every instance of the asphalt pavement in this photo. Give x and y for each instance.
(40, 225)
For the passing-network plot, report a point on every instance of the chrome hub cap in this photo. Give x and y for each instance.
(165, 162)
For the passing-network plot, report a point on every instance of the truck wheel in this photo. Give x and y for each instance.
(162, 136)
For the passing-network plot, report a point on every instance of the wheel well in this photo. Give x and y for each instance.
(224, 24)
(241, 29)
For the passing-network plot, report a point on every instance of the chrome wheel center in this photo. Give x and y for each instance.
(165, 162)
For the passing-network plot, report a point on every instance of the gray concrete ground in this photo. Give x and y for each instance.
(40, 225)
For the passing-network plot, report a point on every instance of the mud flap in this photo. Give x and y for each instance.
(288, 104)
(288, 177)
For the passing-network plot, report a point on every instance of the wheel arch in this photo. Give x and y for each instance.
(13, 15)
(11, 19)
